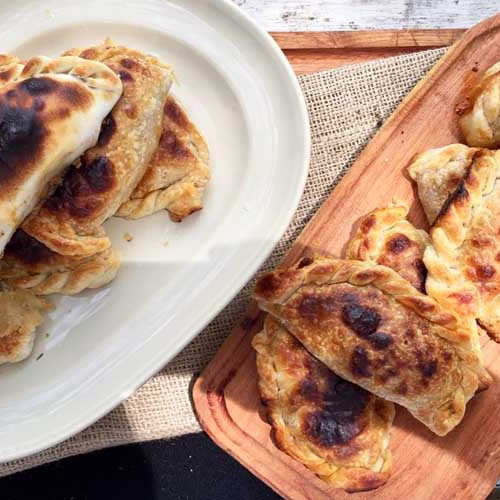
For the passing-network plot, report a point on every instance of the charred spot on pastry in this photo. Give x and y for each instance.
(74, 195)
(402, 388)
(6, 75)
(74, 94)
(171, 144)
(460, 195)
(39, 86)
(429, 368)
(380, 340)
(398, 244)
(421, 272)
(360, 363)
(309, 389)
(108, 129)
(175, 113)
(337, 422)
(125, 76)
(485, 272)
(26, 249)
(368, 223)
(38, 105)
(267, 285)
(316, 306)
(99, 174)
(304, 262)
(128, 63)
(363, 320)
(326, 430)
(21, 137)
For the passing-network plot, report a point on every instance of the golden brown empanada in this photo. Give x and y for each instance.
(51, 111)
(69, 222)
(463, 259)
(437, 173)
(480, 120)
(385, 237)
(334, 427)
(373, 328)
(21, 312)
(178, 172)
(29, 264)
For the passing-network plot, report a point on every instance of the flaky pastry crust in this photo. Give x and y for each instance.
(335, 428)
(373, 328)
(386, 237)
(463, 259)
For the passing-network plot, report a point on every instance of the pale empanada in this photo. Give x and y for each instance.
(463, 259)
(480, 120)
(21, 312)
(178, 172)
(385, 237)
(334, 427)
(69, 222)
(437, 173)
(373, 328)
(29, 264)
(51, 111)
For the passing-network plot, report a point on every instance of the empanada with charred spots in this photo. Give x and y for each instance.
(437, 173)
(51, 111)
(479, 121)
(371, 327)
(69, 222)
(386, 237)
(178, 173)
(334, 427)
(463, 258)
(30, 265)
(21, 312)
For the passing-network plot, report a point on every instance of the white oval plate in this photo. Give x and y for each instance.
(238, 87)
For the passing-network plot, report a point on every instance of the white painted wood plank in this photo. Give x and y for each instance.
(318, 15)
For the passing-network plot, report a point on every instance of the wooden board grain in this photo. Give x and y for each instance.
(466, 463)
(318, 51)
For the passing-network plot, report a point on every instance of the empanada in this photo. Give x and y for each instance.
(51, 111)
(373, 328)
(437, 173)
(334, 427)
(480, 119)
(70, 220)
(178, 172)
(385, 237)
(29, 264)
(463, 260)
(21, 312)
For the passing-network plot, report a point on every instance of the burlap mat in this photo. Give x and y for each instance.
(346, 107)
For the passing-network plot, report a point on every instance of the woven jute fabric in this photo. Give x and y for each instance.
(346, 107)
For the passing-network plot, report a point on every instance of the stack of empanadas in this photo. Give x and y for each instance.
(86, 136)
(398, 321)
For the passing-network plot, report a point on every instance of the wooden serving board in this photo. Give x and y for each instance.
(308, 52)
(466, 463)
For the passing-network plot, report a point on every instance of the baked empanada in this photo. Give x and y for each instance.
(480, 120)
(385, 237)
(463, 259)
(371, 327)
(334, 427)
(437, 173)
(29, 264)
(69, 222)
(51, 111)
(21, 312)
(178, 172)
